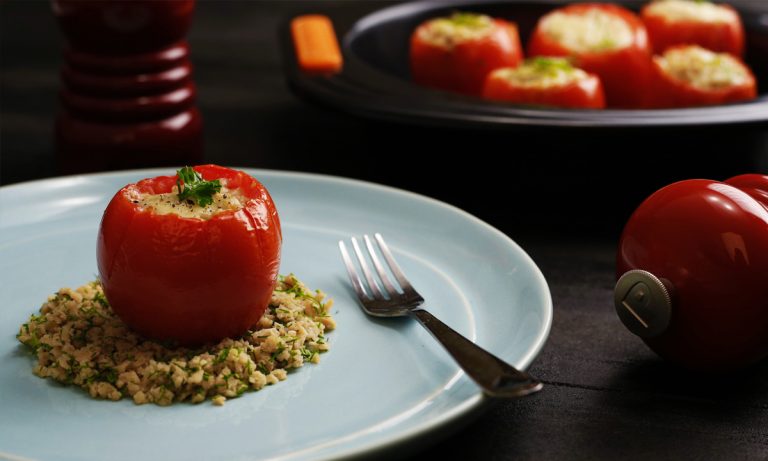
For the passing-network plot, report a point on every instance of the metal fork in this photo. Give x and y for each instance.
(496, 377)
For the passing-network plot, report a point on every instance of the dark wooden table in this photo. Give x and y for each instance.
(564, 200)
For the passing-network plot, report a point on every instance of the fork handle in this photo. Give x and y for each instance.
(496, 377)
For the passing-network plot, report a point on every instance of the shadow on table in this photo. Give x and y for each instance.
(660, 411)
(747, 387)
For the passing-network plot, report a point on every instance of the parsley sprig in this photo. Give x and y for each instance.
(192, 186)
(469, 20)
(551, 65)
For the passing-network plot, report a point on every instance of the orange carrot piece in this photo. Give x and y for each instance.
(317, 49)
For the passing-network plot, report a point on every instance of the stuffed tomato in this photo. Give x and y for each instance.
(551, 82)
(604, 39)
(688, 22)
(190, 258)
(456, 53)
(688, 75)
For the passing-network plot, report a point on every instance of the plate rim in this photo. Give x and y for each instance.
(465, 411)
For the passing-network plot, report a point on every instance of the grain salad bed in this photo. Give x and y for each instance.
(78, 340)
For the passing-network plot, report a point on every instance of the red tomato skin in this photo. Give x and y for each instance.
(583, 94)
(188, 280)
(624, 73)
(725, 37)
(463, 68)
(710, 241)
(669, 92)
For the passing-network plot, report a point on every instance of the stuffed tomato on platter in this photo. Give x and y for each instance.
(716, 27)
(689, 75)
(456, 53)
(546, 82)
(605, 39)
(613, 50)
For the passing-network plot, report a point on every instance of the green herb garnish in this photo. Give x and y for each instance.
(548, 64)
(192, 186)
(469, 20)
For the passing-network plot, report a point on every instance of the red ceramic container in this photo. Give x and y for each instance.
(158, 60)
(707, 243)
(130, 108)
(126, 85)
(127, 99)
(86, 145)
(115, 27)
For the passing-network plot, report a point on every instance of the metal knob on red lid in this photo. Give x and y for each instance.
(643, 303)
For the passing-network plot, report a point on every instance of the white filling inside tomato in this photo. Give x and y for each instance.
(224, 200)
(702, 68)
(541, 73)
(688, 10)
(460, 27)
(593, 30)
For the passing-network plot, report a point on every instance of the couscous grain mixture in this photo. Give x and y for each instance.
(78, 340)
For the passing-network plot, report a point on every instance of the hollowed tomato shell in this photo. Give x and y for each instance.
(624, 72)
(581, 94)
(724, 37)
(188, 280)
(669, 92)
(463, 67)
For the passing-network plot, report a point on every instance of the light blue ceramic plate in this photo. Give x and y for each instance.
(385, 384)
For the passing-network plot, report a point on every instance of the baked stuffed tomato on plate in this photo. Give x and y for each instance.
(190, 258)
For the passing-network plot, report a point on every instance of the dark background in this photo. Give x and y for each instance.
(564, 196)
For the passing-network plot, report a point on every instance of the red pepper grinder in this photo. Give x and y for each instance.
(127, 96)
(693, 272)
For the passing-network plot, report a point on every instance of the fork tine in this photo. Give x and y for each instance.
(393, 266)
(380, 268)
(376, 293)
(353, 277)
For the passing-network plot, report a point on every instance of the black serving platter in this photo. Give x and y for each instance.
(375, 80)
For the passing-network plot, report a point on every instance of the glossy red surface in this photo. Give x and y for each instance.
(134, 84)
(464, 67)
(724, 36)
(624, 72)
(127, 99)
(140, 108)
(190, 280)
(120, 27)
(709, 240)
(108, 64)
(85, 145)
